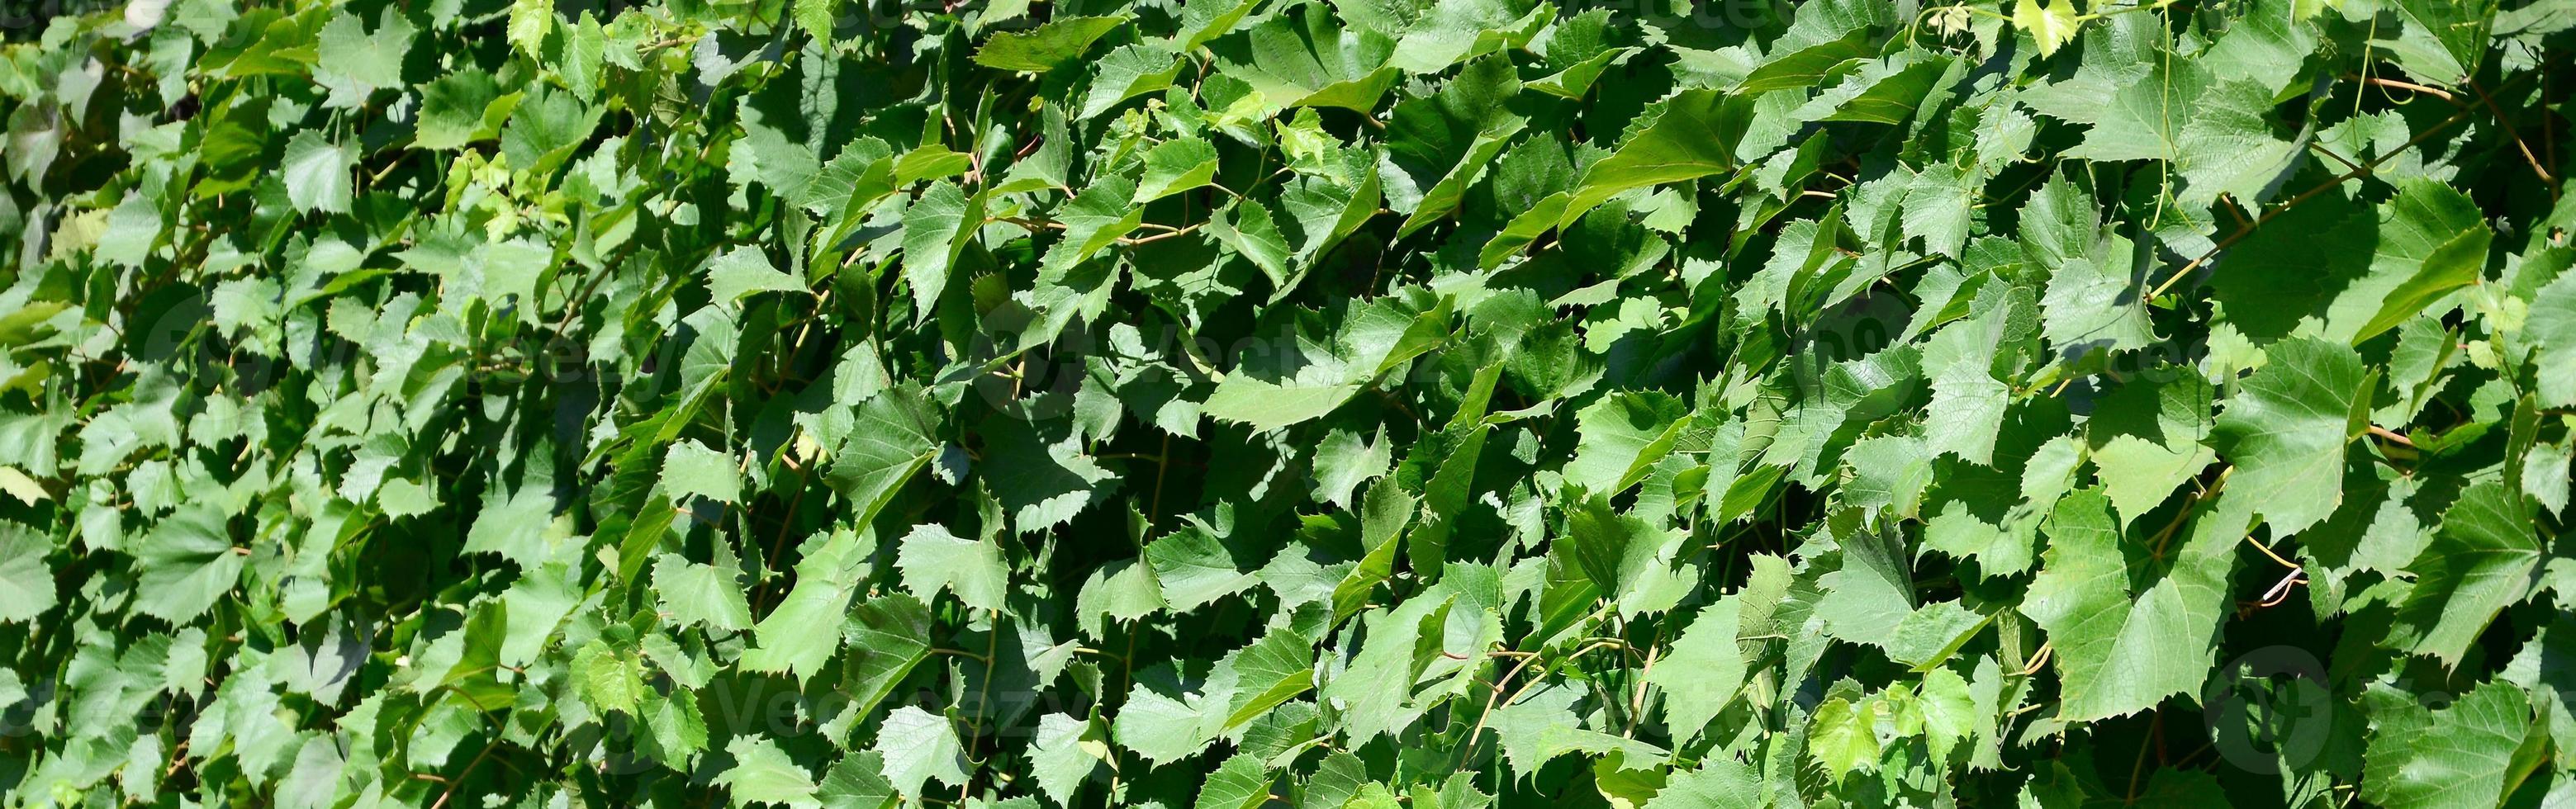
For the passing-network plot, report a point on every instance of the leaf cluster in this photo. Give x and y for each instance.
(1318, 403)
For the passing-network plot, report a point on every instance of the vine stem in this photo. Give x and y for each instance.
(2509, 129)
(2249, 540)
(2411, 87)
(2037, 659)
(984, 690)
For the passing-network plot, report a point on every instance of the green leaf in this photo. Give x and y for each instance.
(1704, 670)
(803, 632)
(1271, 671)
(1046, 48)
(317, 173)
(1623, 435)
(2441, 41)
(609, 680)
(933, 560)
(936, 229)
(2148, 439)
(1128, 72)
(1193, 568)
(1696, 136)
(888, 635)
(692, 469)
(1442, 404)
(2455, 756)
(1174, 166)
(1241, 783)
(371, 60)
(1721, 782)
(919, 748)
(890, 442)
(692, 593)
(1844, 737)
(1322, 359)
(2097, 301)
(2432, 240)
(1534, 731)
(2051, 23)
(2553, 328)
(2286, 428)
(2482, 560)
(1063, 756)
(455, 110)
(746, 270)
(1309, 60)
(1201, 22)
(2130, 628)
(2229, 147)
(26, 583)
(1626, 557)
(1041, 482)
(186, 563)
(763, 774)
(1881, 92)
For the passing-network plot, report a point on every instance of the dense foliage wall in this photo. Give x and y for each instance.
(1310, 403)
